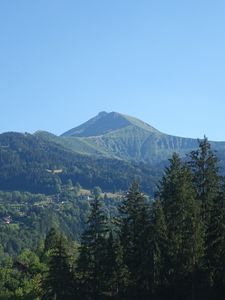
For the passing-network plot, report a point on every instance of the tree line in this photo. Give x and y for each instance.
(171, 248)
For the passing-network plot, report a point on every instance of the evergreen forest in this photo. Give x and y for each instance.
(126, 247)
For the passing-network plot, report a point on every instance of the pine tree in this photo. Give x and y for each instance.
(134, 236)
(185, 235)
(59, 281)
(204, 165)
(158, 248)
(215, 250)
(207, 181)
(116, 272)
(90, 265)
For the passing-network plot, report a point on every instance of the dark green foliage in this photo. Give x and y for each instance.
(134, 234)
(59, 281)
(21, 279)
(209, 186)
(101, 269)
(91, 262)
(116, 272)
(42, 164)
(158, 247)
(204, 165)
(39, 165)
(215, 247)
(169, 248)
(32, 216)
(184, 228)
(51, 240)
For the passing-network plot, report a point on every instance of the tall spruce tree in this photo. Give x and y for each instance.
(134, 234)
(215, 247)
(116, 272)
(204, 165)
(59, 282)
(185, 236)
(91, 261)
(158, 246)
(208, 184)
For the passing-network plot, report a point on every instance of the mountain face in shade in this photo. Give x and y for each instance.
(124, 137)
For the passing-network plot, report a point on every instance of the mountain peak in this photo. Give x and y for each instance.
(102, 113)
(104, 123)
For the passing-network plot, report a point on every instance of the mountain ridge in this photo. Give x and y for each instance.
(121, 152)
(126, 137)
(105, 123)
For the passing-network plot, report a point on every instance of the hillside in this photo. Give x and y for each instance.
(37, 164)
(110, 151)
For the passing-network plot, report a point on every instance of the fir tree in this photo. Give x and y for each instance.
(116, 272)
(215, 247)
(207, 181)
(185, 235)
(59, 281)
(90, 265)
(159, 243)
(135, 240)
(204, 165)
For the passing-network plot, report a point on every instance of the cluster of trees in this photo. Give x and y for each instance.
(31, 216)
(172, 248)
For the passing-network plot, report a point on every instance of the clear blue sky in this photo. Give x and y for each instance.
(61, 62)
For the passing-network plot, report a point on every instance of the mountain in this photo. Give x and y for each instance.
(110, 151)
(125, 137)
(105, 123)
